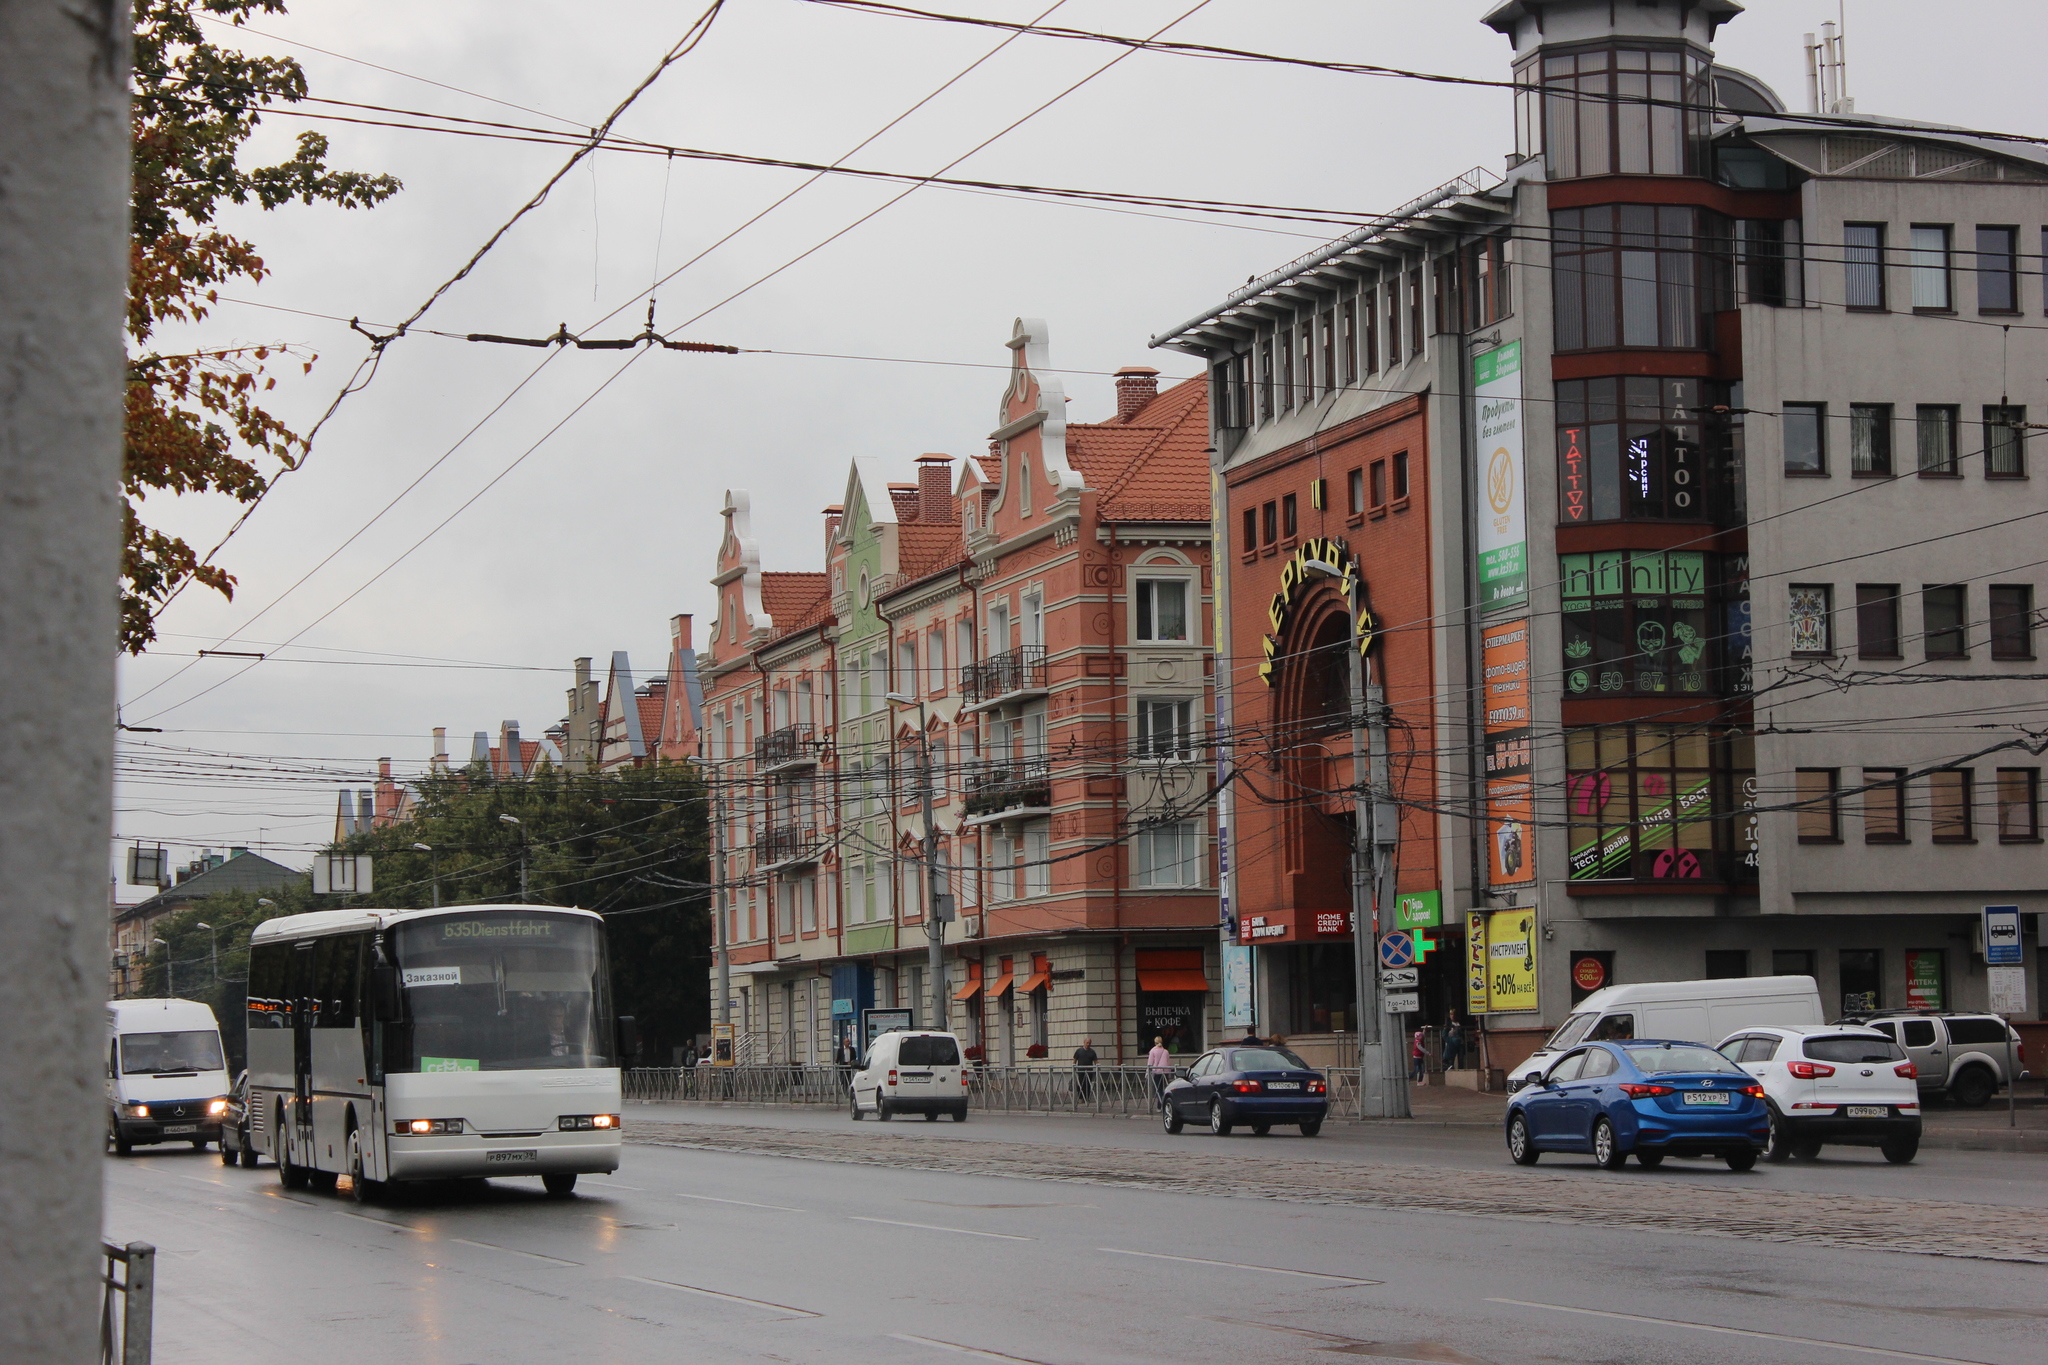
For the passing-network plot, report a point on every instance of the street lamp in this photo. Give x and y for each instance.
(938, 906)
(170, 969)
(435, 857)
(1376, 822)
(513, 821)
(212, 948)
(721, 950)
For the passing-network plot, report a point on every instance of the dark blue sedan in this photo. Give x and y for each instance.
(1654, 1099)
(1257, 1086)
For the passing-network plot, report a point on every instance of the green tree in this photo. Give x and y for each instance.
(195, 420)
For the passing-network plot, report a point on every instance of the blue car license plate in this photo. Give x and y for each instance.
(1706, 1097)
(1283, 1085)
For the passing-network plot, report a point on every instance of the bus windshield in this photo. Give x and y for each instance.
(502, 991)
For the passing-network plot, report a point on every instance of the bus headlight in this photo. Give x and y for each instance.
(577, 1123)
(426, 1127)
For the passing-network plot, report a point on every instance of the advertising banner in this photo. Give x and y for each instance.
(1510, 795)
(1923, 979)
(1501, 540)
(1419, 910)
(1475, 962)
(1510, 960)
(1237, 986)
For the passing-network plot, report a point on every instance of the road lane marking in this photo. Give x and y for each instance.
(514, 1251)
(934, 1227)
(1235, 1265)
(1743, 1332)
(742, 1203)
(613, 1185)
(729, 1298)
(958, 1349)
(200, 1179)
(380, 1222)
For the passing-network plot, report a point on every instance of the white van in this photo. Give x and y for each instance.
(911, 1072)
(1682, 1011)
(167, 1079)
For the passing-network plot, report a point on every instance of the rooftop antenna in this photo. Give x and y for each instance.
(1827, 75)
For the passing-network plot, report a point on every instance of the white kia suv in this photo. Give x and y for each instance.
(1839, 1083)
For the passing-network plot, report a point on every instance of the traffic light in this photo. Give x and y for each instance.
(1424, 944)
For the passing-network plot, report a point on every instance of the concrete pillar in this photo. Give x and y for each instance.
(63, 271)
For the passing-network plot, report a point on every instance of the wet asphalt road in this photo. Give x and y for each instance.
(687, 1255)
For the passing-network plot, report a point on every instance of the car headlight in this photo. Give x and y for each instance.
(137, 1111)
(215, 1108)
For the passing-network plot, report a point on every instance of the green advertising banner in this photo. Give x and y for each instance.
(1501, 539)
(1419, 910)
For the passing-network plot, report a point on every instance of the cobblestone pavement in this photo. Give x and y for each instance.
(1733, 1206)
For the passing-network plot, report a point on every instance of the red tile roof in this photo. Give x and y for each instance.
(650, 713)
(923, 547)
(787, 596)
(1155, 467)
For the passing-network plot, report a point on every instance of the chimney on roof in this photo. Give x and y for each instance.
(935, 488)
(903, 497)
(513, 755)
(480, 747)
(366, 810)
(1136, 385)
(834, 515)
(679, 630)
(440, 762)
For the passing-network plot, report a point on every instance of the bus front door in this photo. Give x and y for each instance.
(299, 1122)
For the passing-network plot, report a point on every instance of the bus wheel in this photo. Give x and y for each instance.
(361, 1188)
(559, 1186)
(288, 1174)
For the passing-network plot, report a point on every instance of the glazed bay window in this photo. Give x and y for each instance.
(1870, 438)
(1168, 854)
(2019, 805)
(1638, 275)
(1616, 111)
(1163, 607)
(1636, 623)
(1166, 728)
(1659, 803)
(1948, 805)
(1935, 436)
(1819, 808)
(1928, 260)
(1632, 449)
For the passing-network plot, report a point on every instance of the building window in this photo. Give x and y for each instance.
(1355, 483)
(1290, 518)
(2019, 805)
(1636, 622)
(1727, 964)
(1862, 973)
(1286, 348)
(1379, 484)
(1812, 613)
(1659, 803)
(1935, 433)
(1400, 475)
(1949, 805)
(1368, 303)
(1806, 435)
(1251, 530)
(1631, 449)
(1266, 409)
(1870, 438)
(906, 664)
(1820, 819)
(1166, 729)
(1270, 517)
(1945, 620)
(935, 658)
(1884, 805)
(1233, 381)
(1307, 366)
(1998, 285)
(1637, 275)
(2004, 442)
(1393, 292)
(1863, 265)
(2012, 621)
(1415, 311)
(1037, 868)
(1770, 259)
(1928, 260)
(1347, 342)
(1328, 334)
(1167, 855)
(1647, 114)
(1877, 621)
(1163, 608)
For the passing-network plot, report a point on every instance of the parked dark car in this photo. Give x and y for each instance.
(1652, 1098)
(1257, 1086)
(235, 1142)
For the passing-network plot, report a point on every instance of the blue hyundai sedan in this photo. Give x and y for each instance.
(1642, 1096)
(1257, 1086)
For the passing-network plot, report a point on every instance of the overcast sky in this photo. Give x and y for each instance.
(609, 526)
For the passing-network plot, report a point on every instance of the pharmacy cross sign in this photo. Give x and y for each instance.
(1397, 949)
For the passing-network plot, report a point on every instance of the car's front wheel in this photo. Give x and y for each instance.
(1778, 1146)
(1170, 1119)
(227, 1155)
(1607, 1153)
(1218, 1124)
(853, 1106)
(248, 1154)
(1520, 1145)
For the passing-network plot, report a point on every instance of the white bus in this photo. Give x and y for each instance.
(401, 1045)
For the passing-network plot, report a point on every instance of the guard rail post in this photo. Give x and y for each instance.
(137, 1288)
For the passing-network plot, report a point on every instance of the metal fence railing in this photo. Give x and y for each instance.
(1043, 1088)
(125, 1336)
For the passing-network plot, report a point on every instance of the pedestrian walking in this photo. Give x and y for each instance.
(1161, 1063)
(1084, 1069)
(689, 1054)
(1417, 1060)
(1454, 1043)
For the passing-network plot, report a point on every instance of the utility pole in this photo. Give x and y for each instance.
(513, 821)
(170, 969)
(212, 949)
(938, 905)
(434, 862)
(63, 286)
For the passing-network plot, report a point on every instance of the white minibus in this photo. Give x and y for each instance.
(406, 1045)
(166, 1078)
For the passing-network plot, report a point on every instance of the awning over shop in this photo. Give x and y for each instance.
(1041, 974)
(1002, 984)
(1171, 969)
(973, 986)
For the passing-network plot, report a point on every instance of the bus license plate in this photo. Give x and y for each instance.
(507, 1158)
(172, 1128)
(1706, 1097)
(1868, 1111)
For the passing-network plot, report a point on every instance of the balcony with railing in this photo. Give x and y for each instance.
(1009, 791)
(793, 746)
(785, 845)
(1014, 676)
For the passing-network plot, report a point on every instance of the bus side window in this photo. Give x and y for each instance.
(336, 978)
(266, 986)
